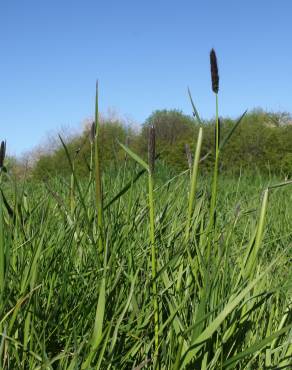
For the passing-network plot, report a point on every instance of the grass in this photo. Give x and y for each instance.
(137, 268)
(233, 313)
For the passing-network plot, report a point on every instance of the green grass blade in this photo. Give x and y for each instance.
(231, 132)
(214, 325)
(135, 156)
(255, 347)
(195, 111)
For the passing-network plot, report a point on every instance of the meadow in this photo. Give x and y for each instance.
(228, 309)
(138, 267)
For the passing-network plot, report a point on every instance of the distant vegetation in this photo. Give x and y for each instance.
(262, 142)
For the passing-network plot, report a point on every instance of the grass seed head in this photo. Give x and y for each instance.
(151, 149)
(2, 153)
(214, 71)
(189, 155)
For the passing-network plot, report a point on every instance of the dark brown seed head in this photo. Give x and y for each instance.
(2, 153)
(151, 149)
(189, 156)
(92, 133)
(214, 71)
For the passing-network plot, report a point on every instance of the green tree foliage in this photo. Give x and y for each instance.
(171, 126)
(79, 148)
(173, 129)
(262, 142)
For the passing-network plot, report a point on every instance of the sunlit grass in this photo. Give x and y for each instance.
(137, 268)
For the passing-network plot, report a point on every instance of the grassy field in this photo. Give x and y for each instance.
(223, 294)
(140, 268)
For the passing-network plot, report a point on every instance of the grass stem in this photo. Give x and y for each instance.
(98, 180)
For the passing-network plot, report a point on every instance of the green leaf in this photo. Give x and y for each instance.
(98, 325)
(256, 347)
(231, 132)
(75, 179)
(135, 156)
(214, 325)
(120, 319)
(125, 188)
(195, 112)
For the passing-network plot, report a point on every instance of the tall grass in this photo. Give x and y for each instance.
(98, 179)
(133, 276)
(55, 278)
(215, 88)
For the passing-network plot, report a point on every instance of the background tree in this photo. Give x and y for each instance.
(262, 142)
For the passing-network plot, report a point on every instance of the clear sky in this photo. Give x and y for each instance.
(144, 52)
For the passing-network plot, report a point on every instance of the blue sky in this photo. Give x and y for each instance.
(144, 53)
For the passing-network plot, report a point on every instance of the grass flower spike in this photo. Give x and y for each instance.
(2, 153)
(214, 72)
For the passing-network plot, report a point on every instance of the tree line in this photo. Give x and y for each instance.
(262, 142)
